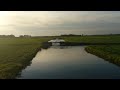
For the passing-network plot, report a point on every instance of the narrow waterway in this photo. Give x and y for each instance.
(73, 62)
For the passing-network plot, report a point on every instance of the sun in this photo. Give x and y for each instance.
(3, 13)
(3, 17)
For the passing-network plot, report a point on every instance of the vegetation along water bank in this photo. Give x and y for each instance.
(17, 52)
(110, 53)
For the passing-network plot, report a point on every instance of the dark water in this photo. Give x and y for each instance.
(69, 63)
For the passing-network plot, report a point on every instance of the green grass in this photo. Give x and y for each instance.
(16, 54)
(110, 53)
(94, 39)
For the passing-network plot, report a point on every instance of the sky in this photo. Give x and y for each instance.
(48, 23)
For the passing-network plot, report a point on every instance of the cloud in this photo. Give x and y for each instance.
(49, 18)
(40, 21)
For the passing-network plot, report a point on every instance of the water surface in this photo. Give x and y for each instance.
(62, 62)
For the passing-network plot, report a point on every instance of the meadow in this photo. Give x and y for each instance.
(17, 53)
(105, 39)
(108, 46)
(110, 53)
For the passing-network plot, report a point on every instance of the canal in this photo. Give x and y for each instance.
(69, 62)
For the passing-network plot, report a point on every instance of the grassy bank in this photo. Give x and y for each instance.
(110, 53)
(16, 54)
(110, 39)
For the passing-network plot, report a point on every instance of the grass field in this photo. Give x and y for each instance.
(110, 53)
(94, 39)
(17, 53)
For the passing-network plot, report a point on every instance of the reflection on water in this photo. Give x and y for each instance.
(60, 47)
(19, 74)
(65, 62)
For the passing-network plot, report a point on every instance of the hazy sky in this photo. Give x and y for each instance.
(59, 22)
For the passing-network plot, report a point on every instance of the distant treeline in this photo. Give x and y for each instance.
(26, 36)
(13, 36)
(68, 35)
(71, 35)
(89, 35)
(3, 36)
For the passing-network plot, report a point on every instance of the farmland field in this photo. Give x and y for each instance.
(94, 39)
(110, 53)
(17, 53)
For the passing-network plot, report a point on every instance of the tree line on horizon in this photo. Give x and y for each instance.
(13, 36)
(1, 36)
(28, 36)
(88, 35)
